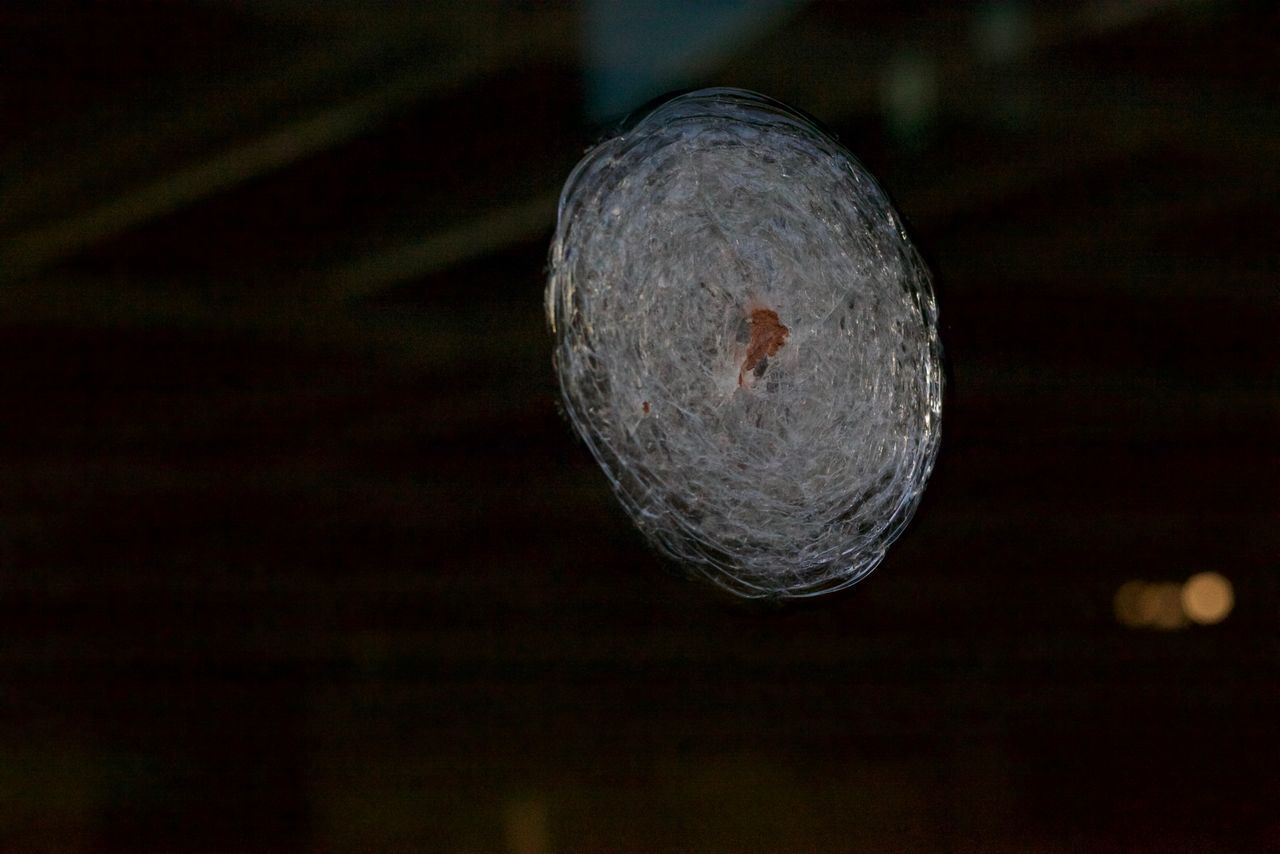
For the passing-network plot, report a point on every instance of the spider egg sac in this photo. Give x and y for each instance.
(747, 342)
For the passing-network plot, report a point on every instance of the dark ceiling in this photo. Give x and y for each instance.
(296, 551)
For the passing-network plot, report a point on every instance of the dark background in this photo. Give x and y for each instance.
(296, 551)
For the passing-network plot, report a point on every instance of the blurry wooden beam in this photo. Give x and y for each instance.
(523, 219)
(853, 59)
(441, 66)
(457, 336)
(114, 145)
(1085, 237)
(489, 232)
(759, 67)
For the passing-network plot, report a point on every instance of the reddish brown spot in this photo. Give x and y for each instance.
(767, 335)
(645, 406)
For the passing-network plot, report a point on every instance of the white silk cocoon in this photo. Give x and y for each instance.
(747, 342)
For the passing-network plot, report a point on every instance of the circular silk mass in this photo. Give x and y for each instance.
(747, 342)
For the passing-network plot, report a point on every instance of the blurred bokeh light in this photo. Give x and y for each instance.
(1207, 598)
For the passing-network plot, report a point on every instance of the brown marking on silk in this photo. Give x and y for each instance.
(767, 336)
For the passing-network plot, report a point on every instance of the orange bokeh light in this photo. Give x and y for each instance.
(1207, 598)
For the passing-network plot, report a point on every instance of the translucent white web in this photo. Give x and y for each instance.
(747, 342)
